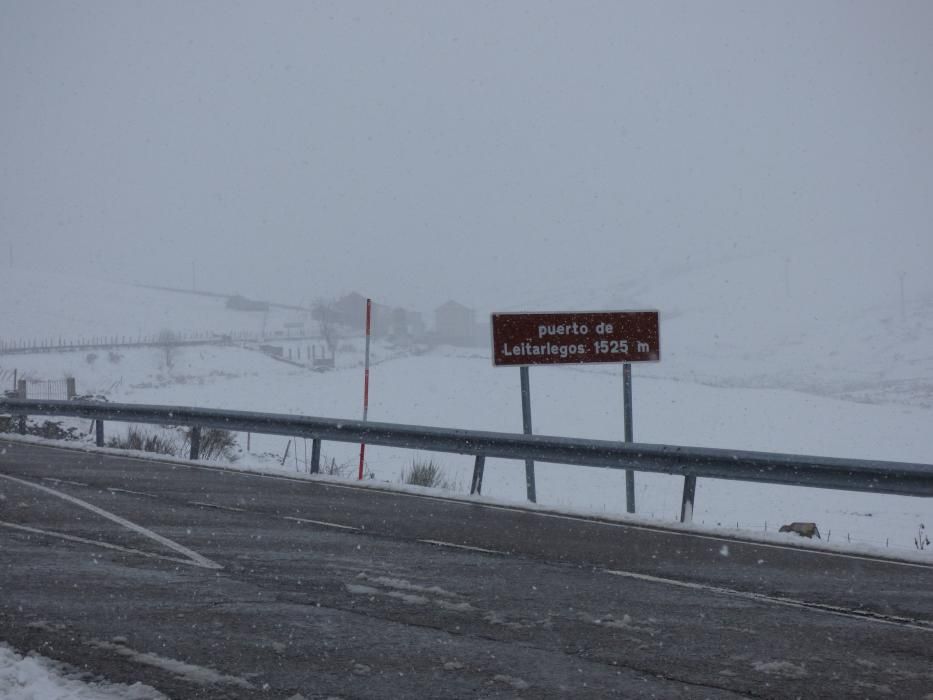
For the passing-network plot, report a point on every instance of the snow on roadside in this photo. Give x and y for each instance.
(34, 677)
(460, 389)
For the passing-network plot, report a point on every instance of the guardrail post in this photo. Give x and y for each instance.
(478, 467)
(686, 506)
(99, 432)
(316, 455)
(195, 441)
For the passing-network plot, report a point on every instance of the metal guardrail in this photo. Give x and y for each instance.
(899, 478)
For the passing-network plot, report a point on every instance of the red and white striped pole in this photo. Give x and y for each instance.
(369, 322)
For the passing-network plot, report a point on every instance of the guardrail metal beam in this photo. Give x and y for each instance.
(901, 478)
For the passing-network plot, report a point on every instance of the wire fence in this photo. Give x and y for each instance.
(50, 389)
(62, 344)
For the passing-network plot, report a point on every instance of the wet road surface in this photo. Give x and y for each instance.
(218, 584)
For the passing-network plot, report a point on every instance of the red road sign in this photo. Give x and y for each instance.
(575, 337)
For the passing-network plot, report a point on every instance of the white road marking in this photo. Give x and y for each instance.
(181, 549)
(321, 522)
(96, 543)
(589, 520)
(863, 615)
(62, 481)
(134, 493)
(214, 505)
(202, 675)
(515, 509)
(439, 543)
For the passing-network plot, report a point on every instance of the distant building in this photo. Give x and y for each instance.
(406, 325)
(455, 324)
(350, 311)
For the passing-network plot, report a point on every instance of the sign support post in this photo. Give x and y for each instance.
(629, 434)
(574, 338)
(369, 318)
(526, 429)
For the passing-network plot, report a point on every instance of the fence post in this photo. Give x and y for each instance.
(70, 386)
(21, 389)
(195, 441)
(99, 432)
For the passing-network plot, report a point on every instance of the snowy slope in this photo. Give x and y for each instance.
(725, 380)
(754, 322)
(743, 322)
(450, 388)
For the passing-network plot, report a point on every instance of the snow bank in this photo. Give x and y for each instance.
(34, 677)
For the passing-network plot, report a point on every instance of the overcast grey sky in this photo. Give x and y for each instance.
(417, 151)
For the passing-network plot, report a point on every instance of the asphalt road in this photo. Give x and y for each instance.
(207, 583)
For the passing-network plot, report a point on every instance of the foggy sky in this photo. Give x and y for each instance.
(420, 151)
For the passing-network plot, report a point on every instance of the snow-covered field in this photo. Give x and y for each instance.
(731, 389)
(449, 388)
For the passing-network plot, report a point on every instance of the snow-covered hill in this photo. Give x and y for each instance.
(760, 322)
(855, 385)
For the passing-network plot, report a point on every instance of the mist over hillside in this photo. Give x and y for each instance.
(731, 324)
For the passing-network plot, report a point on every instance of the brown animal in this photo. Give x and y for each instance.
(803, 529)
